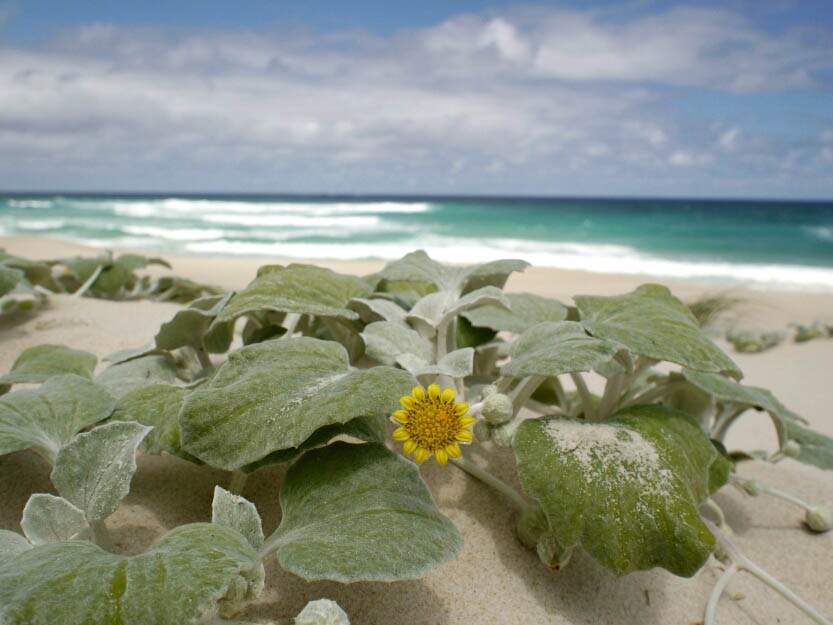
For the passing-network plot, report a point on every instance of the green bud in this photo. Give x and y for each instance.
(752, 487)
(819, 519)
(322, 612)
(497, 409)
(532, 525)
(482, 431)
(488, 391)
(503, 435)
(553, 555)
(791, 449)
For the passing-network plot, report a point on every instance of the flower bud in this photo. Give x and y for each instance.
(497, 409)
(752, 487)
(532, 525)
(482, 431)
(791, 449)
(819, 519)
(322, 612)
(503, 435)
(488, 391)
(553, 555)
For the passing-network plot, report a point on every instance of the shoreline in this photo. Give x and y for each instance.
(495, 579)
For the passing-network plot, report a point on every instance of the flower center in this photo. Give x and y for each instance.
(432, 425)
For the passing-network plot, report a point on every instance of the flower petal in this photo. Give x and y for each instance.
(400, 416)
(447, 396)
(409, 447)
(441, 455)
(464, 436)
(465, 421)
(460, 408)
(407, 401)
(418, 393)
(453, 450)
(434, 391)
(421, 455)
(401, 434)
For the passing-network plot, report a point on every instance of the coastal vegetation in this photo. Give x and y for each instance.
(616, 410)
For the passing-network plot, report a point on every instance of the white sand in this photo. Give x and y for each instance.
(495, 580)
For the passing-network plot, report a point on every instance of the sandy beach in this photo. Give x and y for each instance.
(495, 580)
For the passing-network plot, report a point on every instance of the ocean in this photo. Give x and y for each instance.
(781, 244)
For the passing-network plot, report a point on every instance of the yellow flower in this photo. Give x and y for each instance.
(432, 423)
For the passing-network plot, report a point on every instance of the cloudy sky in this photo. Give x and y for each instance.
(647, 98)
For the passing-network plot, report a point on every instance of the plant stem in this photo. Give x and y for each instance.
(722, 425)
(237, 482)
(714, 596)
(487, 478)
(776, 493)
(101, 536)
(83, 288)
(290, 322)
(744, 563)
(654, 393)
(561, 396)
(610, 397)
(586, 397)
(523, 391)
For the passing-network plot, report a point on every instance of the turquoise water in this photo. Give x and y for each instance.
(774, 243)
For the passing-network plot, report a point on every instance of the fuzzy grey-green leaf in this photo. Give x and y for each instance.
(385, 340)
(651, 322)
(816, 448)
(173, 583)
(274, 395)
(627, 490)
(41, 362)
(47, 417)
(158, 406)
(360, 512)
(93, 471)
(119, 379)
(51, 519)
(555, 347)
(304, 289)
(9, 277)
(190, 326)
(12, 544)
(239, 514)
(526, 310)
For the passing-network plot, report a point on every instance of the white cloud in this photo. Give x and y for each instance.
(519, 95)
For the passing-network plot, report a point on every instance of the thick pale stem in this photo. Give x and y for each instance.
(90, 281)
(723, 424)
(654, 393)
(611, 395)
(523, 391)
(101, 536)
(487, 478)
(714, 596)
(563, 400)
(775, 493)
(586, 398)
(290, 322)
(744, 563)
(237, 482)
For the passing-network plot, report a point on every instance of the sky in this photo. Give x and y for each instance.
(730, 98)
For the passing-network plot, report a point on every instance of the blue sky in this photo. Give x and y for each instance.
(731, 98)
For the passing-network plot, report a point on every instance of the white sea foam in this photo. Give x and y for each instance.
(825, 233)
(295, 221)
(174, 234)
(41, 224)
(30, 203)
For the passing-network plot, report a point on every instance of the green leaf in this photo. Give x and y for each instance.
(457, 364)
(626, 490)
(9, 277)
(816, 448)
(274, 395)
(12, 545)
(377, 309)
(419, 267)
(191, 326)
(360, 512)
(41, 362)
(526, 310)
(93, 471)
(119, 379)
(173, 583)
(21, 297)
(51, 519)
(386, 340)
(651, 322)
(47, 418)
(36, 271)
(552, 348)
(437, 308)
(158, 406)
(304, 289)
(368, 429)
(237, 513)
